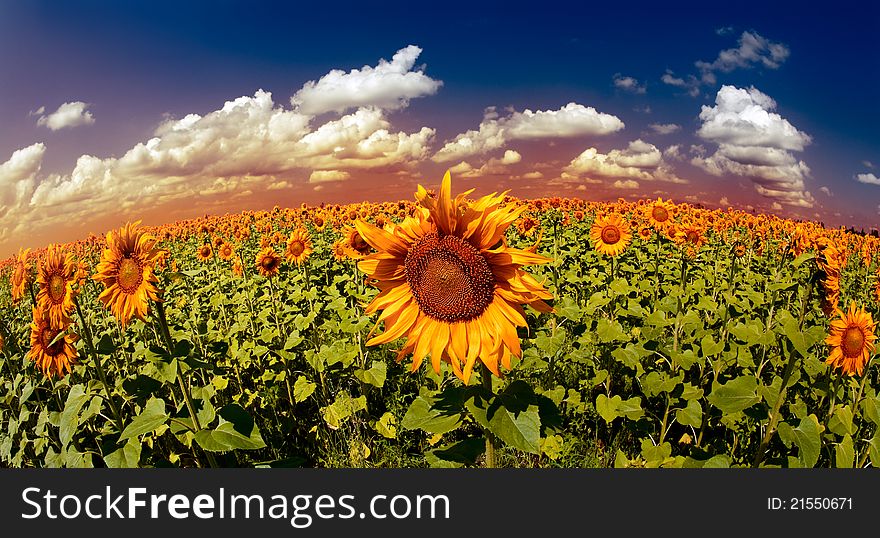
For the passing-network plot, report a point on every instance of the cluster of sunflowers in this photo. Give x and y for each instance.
(449, 282)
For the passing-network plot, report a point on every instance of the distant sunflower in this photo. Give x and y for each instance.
(659, 213)
(852, 340)
(51, 358)
(646, 233)
(56, 276)
(204, 253)
(319, 222)
(355, 243)
(268, 262)
(225, 251)
(610, 234)
(340, 252)
(450, 284)
(20, 275)
(299, 246)
(127, 271)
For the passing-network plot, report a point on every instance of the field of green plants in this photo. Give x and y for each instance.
(674, 353)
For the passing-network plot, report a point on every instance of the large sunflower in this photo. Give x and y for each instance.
(659, 213)
(450, 284)
(52, 356)
(20, 275)
(610, 234)
(55, 279)
(268, 262)
(299, 246)
(127, 272)
(851, 340)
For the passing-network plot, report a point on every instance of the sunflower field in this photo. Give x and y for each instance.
(446, 332)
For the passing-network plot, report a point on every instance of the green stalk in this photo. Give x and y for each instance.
(491, 440)
(789, 368)
(90, 347)
(166, 335)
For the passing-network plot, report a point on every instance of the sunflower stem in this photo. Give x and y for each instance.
(789, 368)
(90, 346)
(491, 440)
(278, 327)
(190, 407)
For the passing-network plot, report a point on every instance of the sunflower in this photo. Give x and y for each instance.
(127, 271)
(299, 246)
(526, 226)
(225, 251)
(55, 279)
(450, 284)
(852, 340)
(610, 234)
(646, 233)
(355, 243)
(204, 253)
(659, 213)
(340, 251)
(20, 275)
(51, 354)
(268, 262)
(319, 222)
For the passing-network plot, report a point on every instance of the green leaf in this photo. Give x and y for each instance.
(343, 407)
(375, 375)
(76, 399)
(515, 426)
(303, 388)
(692, 415)
(152, 416)
(710, 347)
(841, 421)
(127, 457)
(806, 437)
(609, 331)
(735, 395)
(387, 426)
(237, 430)
(614, 407)
(422, 416)
(844, 453)
(458, 454)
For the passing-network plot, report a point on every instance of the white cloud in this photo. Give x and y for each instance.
(691, 85)
(673, 152)
(511, 157)
(826, 191)
(325, 176)
(389, 85)
(534, 174)
(753, 49)
(754, 142)
(724, 201)
(870, 179)
(18, 178)
(279, 185)
(868, 164)
(68, 115)
(776, 206)
(628, 84)
(494, 131)
(639, 161)
(626, 184)
(724, 30)
(664, 128)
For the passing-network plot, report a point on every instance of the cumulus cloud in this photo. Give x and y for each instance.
(626, 184)
(754, 142)
(752, 50)
(639, 161)
(389, 85)
(325, 176)
(826, 191)
(869, 179)
(249, 144)
(492, 167)
(73, 114)
(495, 131)
(628, 84)
(665, 128)
(724, 201)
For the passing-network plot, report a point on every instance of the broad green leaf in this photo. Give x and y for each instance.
(76, 399)
(844, 453)
(152, 416)
(375, 375)
(126, 457)
(841, 421)
(387, 426)
(421, 416)
(692, 415)
(303, 388)
(342, 408)
(735, 395)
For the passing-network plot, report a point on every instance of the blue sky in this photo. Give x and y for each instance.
(129, 68)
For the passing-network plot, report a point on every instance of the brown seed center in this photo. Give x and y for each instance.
(853, 342)
(296, 248)
(610, 235)
(450, 279)
(130, 275)
(660, 214)
(46, 337)
(57, 288)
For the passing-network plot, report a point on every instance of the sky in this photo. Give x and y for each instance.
(117, 111)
